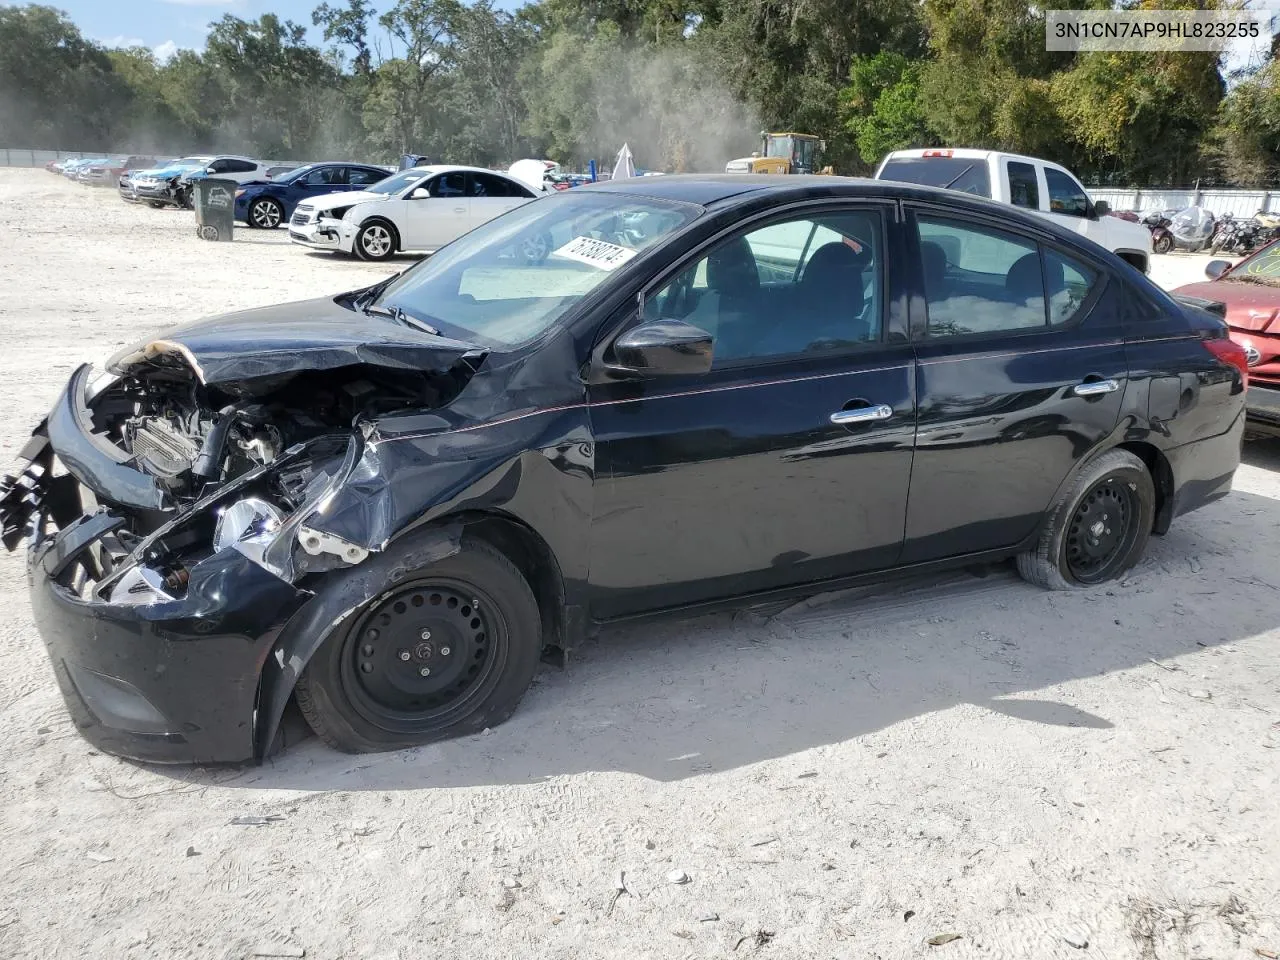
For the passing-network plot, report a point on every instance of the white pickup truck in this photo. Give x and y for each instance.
(1028, 182)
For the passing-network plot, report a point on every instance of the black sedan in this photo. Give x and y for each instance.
(617, 401)
(267, 204)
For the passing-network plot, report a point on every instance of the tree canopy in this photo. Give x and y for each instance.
(688, 83)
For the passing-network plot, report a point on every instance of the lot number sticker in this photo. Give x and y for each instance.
(595, 253)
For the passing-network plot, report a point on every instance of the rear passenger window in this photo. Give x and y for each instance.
(979, 280)
(1070, 282)
(1024, 189)
(796, 287)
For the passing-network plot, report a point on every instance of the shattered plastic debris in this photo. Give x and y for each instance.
(677, 876)
(938, 939)
(1200, 694)
(255, 821)
(98, 857)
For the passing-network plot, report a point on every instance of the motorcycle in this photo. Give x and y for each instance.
(1191, 228)
(1231, 235)
(1158, 224)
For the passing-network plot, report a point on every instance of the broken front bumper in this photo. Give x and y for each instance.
(322, 235)
(171, 680)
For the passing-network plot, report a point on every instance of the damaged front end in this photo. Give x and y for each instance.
(173, 504)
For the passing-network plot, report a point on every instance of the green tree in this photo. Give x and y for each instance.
(882, 105)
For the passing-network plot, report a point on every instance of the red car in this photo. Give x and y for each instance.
(1251, 292)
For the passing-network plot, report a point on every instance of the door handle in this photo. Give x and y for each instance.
(879, 411)
(459, 209)
(1095, 388)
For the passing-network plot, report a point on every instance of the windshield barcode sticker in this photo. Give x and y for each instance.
(596, 253)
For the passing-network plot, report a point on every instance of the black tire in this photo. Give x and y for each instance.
(1162, 244)
(1079, 547)
(363, 691)
(377, 240)
(264, 214)
(156, 204)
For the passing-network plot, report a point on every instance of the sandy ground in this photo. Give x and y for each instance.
(849, 778)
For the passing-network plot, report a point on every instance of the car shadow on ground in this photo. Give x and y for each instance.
(684, 698)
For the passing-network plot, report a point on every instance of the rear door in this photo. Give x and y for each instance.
(1021, 372)
(789, 461)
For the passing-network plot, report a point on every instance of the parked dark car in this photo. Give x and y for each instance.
(1250, 292)
(266, 205)
(617, 401)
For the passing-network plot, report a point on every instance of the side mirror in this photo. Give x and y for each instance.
(1216, 268)
(1101, 208)
(210, 170)
(421, 193)
(664, 348)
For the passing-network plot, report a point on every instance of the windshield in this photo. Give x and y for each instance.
(290, 175)
(1262, 266)
(511, 279)
(397, 182)
(968, 176)
(778, 147)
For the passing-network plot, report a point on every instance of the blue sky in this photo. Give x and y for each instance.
(165, 25)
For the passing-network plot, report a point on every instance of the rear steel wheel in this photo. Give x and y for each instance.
(1098, 527)
(1102, 530)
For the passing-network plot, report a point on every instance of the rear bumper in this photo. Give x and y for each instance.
(1203, 470)
(1263, 405)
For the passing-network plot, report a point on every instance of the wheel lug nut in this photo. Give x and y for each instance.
(426, 634)
(367, 650)
(366, 667)
(444, 651)
(405, 655)
(425, 672)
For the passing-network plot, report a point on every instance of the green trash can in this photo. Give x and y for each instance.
(215, 203)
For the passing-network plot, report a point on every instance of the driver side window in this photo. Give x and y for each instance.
(803, 286)
(449, 185)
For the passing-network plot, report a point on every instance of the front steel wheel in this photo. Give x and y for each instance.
(1098, 528)
(449, 650)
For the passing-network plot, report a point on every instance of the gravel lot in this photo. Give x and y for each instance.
(849, 777)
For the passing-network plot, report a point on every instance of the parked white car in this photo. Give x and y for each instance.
(420, 210)
(1027, 182)
(239, 169)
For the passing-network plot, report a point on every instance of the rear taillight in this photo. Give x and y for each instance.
(936, 153)
(1228, 351)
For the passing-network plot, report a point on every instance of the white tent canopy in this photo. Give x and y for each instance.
(625, 165)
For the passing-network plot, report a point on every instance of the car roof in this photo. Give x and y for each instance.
(453, 168)
(964, 153)
(728, 190)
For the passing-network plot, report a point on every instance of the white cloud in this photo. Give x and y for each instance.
(166, 50)
(112, 43)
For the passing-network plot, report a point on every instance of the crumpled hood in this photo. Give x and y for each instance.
(163, 173)
(291, 338)
(327, 201)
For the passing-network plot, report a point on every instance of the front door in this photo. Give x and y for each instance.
(1021, 371)
(431, 221)
(790, 460)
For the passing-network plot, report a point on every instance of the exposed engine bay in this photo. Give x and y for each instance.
(176, 469)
